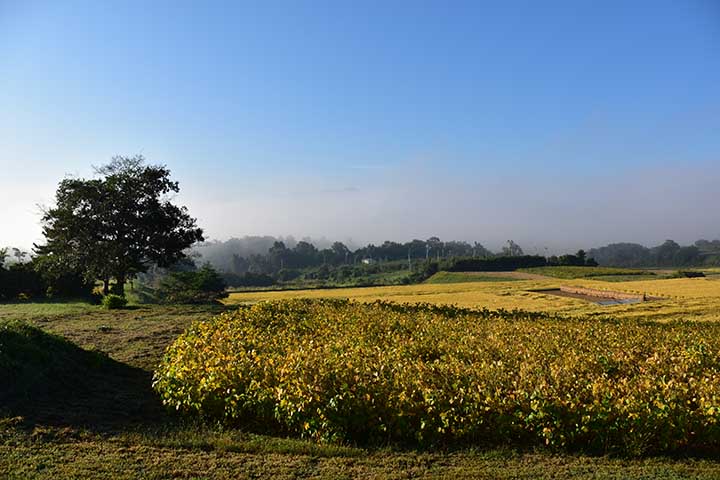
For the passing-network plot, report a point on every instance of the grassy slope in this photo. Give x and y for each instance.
(464, 277)
(118, 430)
(568, 272)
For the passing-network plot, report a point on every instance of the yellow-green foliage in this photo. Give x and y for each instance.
(112, 301)
(332, 369)
(684, 298)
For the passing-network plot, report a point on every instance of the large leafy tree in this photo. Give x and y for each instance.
(117, 225)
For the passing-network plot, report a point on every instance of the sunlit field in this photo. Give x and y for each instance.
(341, 370)
(683, 298)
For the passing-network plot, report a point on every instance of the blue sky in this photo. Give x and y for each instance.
(561, 124)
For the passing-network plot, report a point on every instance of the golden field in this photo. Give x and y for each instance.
(683, 298)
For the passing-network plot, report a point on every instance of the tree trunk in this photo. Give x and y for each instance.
(106, 286)
(120, 284)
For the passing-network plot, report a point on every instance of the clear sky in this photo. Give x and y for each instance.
(560, 124)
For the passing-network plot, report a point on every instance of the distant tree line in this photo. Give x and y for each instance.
(668, 254)
(334, 262)
(494, 264)
(228, 256)
(338, 263)
(505, 263)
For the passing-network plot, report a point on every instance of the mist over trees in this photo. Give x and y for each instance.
(668, 254)
(270, 255)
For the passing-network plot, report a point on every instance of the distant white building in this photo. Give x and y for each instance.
(368, 261)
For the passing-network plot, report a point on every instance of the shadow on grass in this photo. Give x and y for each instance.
(49, 301)
(50, 381)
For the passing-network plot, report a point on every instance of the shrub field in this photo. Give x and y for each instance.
(423, 374)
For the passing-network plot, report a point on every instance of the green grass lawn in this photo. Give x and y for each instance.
(569, 272)
(625, 278)
(98, 417)
(462, 277)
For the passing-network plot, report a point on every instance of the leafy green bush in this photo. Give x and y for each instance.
(690, 274)
(427, 271)
(385, 372)
(248, 279)
(112, 301)
(287, 274)
(202, 286)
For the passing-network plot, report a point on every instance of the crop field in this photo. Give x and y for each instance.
(337, 390)
(338, 370)
(683, 298)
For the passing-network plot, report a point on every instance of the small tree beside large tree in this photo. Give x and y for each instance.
(117, 225)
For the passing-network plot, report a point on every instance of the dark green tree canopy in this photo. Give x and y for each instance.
(118, 224)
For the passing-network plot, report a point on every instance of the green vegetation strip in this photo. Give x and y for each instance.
(426, 374)
(584, 272)
(462, 277)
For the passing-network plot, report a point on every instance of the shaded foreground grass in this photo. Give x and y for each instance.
(119, 431)
(49, 380)
(111, 459)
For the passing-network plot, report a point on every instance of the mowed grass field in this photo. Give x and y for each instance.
(114, 426)
(682, 298)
